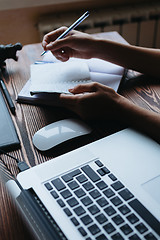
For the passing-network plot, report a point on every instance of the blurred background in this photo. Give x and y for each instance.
(26, 21)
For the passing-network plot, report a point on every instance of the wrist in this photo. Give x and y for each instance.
(125, 109)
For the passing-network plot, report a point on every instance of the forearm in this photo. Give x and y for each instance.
(140, 59)
(82, 45)
(141, 119)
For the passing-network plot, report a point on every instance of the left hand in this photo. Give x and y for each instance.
(93, 101)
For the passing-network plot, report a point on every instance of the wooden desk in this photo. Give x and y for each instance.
(30, 118)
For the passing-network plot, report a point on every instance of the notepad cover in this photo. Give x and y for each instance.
(8, 135)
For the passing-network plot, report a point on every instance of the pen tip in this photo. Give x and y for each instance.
(87, 13)
(43, 53)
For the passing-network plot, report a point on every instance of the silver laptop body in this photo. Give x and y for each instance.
(109, 189)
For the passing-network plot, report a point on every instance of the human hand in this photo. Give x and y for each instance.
(94, 101)
(75, 44)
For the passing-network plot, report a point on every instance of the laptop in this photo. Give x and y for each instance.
(108, 189)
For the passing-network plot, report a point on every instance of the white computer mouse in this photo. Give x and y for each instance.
(58, 132)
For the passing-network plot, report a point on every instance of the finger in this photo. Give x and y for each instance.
(52, 36)
(60, 43)
(81, 88)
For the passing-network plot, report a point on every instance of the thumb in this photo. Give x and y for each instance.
(81, 88)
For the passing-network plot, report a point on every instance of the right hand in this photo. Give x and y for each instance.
(75, 44)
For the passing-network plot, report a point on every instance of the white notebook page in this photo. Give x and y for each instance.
(58, 77)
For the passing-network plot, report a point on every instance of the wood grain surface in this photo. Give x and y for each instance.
(141, 90)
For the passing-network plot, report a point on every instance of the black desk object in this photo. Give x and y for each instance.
(8, 135)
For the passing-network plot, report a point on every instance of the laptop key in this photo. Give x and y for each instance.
(61, 203)
(101, 185)
(80, 193)
(109, 193)
(150, 236)
(109, 228)
(101, 237)
(59, 185)
(82, 178)
(134, 237)
(94, 229)
(90, 173)
(101, 218)
(73, 185)
(95, 193)
(101, 172)
(99, 163)
(117, 185)
(88, 186)
(66, 194)
(79, 210)
(132, 218)
(86, 219)
(116, 201)
(126, 229)
(72, 202)
(141, 228)
(124, 209)
(68, 177)
(126, 194)
(110, 210)
(105, 170)
(117, 219)
(117, 236)
(111, 176)
(82, 231)
(67, 212)
(54, 194)
(75, 172)
(102, 202)
(48, 186)
(93, 209)
(74, 221)
(86, 201)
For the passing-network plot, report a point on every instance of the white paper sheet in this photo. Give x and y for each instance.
(110, 80)
(58, 77)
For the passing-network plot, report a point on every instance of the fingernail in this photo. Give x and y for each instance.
(70, 90)
(49, 45)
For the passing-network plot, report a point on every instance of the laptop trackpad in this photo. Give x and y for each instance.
(152, 187)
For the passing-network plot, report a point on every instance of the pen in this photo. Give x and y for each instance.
(7, 96)
(74, 25)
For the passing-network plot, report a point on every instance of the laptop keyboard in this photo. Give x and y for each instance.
(100, 206)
